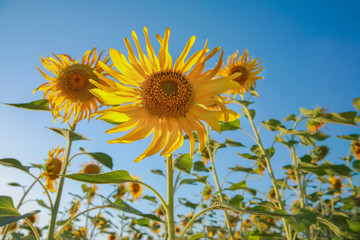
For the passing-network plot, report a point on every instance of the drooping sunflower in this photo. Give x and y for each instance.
(155, 95)
(155, 227)
(91, 168)
(314, 124)
(68, 91)
(53, 167)
(248, 68)
(135, 189)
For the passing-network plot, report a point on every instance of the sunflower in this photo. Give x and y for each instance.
(53, 167)
(153, 95)
(355, 146)
(336, 184)
(135, 189)
(121, 190)
(112, 236)
(155, 227)
(74, 208)
(177, 230)
(248, 68)
(314, 124)
(68, 90)
(91, 168)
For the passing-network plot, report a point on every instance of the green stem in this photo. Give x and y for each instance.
(61, 185)
(271, 172)
(75, 217)
(156, 193)
(170, 198)
(213, 172)
(32, 228)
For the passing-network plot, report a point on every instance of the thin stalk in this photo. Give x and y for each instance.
(271, 172)
(61, 185)
(170, 198)
(32, 228)
(73, 218)
(213, 172)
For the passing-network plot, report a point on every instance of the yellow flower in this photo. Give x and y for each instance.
(74, 208)
(91, 168)
(68, 90)
(248, 68)
(355, 145)
(155, 227)
(315, 124)
(155, 95)
(160, 212)
(336, 184)
(112, 236)
(207, 193)
(53, 167)
(177, 230)
(135, 189)
(121, 190)
(32, 219)
(80, 233)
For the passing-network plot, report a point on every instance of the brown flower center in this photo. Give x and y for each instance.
(244, 74)
(135, 187)
(167, 94)
(74, 82)
(53, 168)
(92, 169)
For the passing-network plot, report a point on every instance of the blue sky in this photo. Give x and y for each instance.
(310, 50)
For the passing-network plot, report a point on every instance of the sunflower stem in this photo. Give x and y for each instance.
(64, 166)
(170, 198)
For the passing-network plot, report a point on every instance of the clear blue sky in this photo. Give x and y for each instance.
(310, 50)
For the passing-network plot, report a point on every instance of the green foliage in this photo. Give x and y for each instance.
(184, 163)
(102, 158)
(9, 214)
(117, 177)
(301, 223)
(38, 105)
(228, 126)
(68, 134)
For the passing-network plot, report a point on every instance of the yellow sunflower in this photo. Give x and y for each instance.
(68, 90)
(177, 230)
(155, 227)
(91, 168)
(135, 189)
(155, 95)
(248, 68)
(53, 167)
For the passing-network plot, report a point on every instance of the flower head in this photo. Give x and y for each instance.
(155, 227)
(135, 189)
(53, 167)
(121, 190)
(155, 95)
(68, 91)
(91, 168)
(74, 208)
(314, 124)
(336, 184)
(177, 230)
(355, 145)
(248, 68)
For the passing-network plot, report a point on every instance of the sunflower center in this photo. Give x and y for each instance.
(53, 168)
(92, 169)
(74, 82)
(135, 187)
(167, 94)
(244, 74)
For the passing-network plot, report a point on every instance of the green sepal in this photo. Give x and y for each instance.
(68, 134)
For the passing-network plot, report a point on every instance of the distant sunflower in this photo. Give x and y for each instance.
(155, 95)
(314, 124)
(135, 189)
(68, 90)
(177, 230)
(248, 68)
(355, 146)
(53, 167)
(155, 227)
(91, 168)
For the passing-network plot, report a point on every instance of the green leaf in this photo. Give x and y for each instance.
(354, 225)
(200, 167)
(356, 166)
(249, 156)
(333, 227)
(196, 236)
(356, 103)
(236, 200)
(325, 169)
(274, 125)
(232, 143)
(291, 117)
(41, 203)
(102, 158)
(307, 112)
(184, 163)
(347, 118)
(157, 171)
(9, 214)
(236, 186)
(121, 205)
(351, 137)
(242, 169)
(150, 198)
(143, 222)
(193, 181)
(68, 134)
(186, 203)
(302, 223)
(233, 125)
(11, 162)
(114, 177)
(243, 103)
(38, 105)
(14, 184)
(252, 113)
